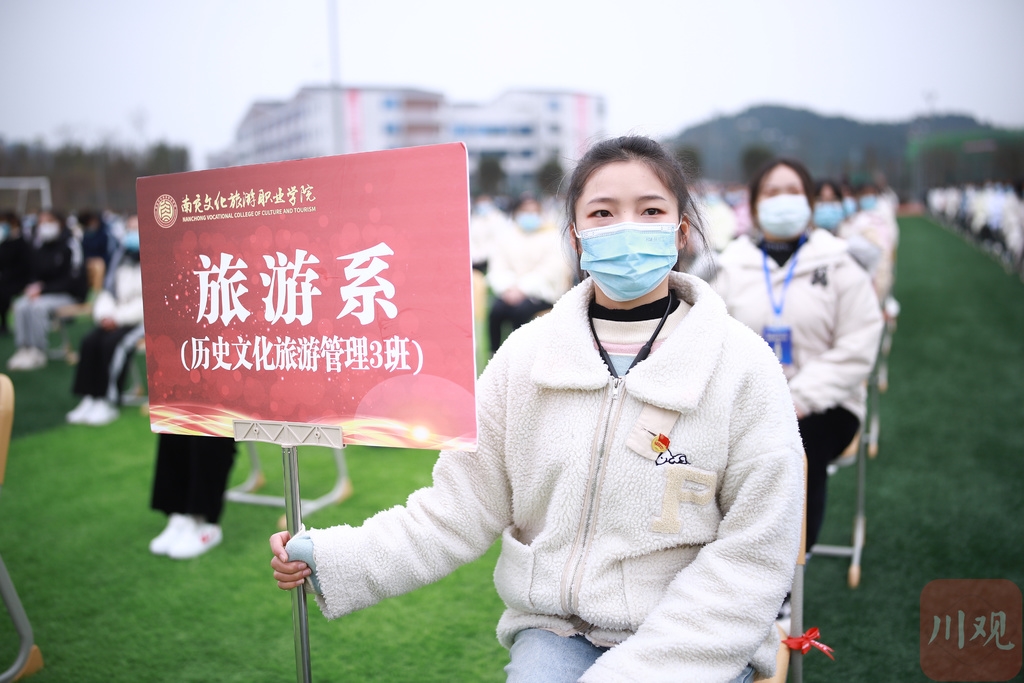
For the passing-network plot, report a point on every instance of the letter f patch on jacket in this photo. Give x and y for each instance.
(683, 484)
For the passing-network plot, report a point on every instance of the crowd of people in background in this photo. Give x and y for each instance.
(88, 264)
(991, 214)
(520, 252)
(49, 264)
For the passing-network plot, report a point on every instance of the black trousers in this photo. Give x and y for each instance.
(825, 435)
(192, 474)
(517, 316)
(96, 360)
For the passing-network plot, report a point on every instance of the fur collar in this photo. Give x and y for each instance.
(674, 377)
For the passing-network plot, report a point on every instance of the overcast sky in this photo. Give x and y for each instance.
(186, 71)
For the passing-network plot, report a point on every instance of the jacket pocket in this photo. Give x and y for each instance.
(645, 579)
(513, 574)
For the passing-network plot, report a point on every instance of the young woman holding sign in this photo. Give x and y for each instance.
(638, 456)
(813, 303)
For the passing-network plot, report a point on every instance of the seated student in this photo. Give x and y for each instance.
(97, 244)
(108, 348)
(526, 270)
(830, 215)
(638, 456)
(56, 278)
(486, 223)
(803, 292)
(14, 264)
(875, 222)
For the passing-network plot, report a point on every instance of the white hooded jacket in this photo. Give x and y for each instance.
(830, 305)
(682, 567)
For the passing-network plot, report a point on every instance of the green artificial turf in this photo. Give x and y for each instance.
(76, 526)
(945, 497)
(944, 500)
(43, 396)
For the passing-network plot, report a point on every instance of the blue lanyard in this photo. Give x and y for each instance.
(785, 283)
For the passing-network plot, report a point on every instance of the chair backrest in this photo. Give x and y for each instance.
(6, 421)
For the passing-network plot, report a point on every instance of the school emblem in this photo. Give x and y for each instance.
(165, 210)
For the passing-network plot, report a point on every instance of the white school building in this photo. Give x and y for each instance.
(523, 129)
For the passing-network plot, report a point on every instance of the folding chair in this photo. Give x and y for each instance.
(136, 394)
(858, 450)
(62, 319)
(245, 492)
(788, 660)
(29, 659)
(863, 446)
(879, 383)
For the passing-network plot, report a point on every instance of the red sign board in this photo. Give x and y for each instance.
(329, 291)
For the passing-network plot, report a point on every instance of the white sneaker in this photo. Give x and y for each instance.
(37, 359)
(194, 543)
(101, 413)
(81, 410)
(27, 358)
(20, 358)
(177, 524)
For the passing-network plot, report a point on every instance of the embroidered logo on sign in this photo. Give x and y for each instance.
(820, 276)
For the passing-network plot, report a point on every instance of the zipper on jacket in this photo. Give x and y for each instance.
(572, 575)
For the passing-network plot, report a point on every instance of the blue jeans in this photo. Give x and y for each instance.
(539, 656)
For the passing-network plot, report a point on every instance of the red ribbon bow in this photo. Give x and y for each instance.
(808, 640)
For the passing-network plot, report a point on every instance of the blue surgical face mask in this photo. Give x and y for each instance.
(828, 215)
(528, 221)
(868, 202)
(849, 206)
(784, 216)
(131, 242)
(628, 260)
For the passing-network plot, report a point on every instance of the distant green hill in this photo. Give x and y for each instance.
(831, 146)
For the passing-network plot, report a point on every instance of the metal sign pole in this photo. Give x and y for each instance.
(293, 515)
(290, 435)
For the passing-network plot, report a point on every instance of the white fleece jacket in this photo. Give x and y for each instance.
(681, 566)
(121, 301)
(835, 318)
(532, 262)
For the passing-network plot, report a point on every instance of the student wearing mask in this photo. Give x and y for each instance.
(874, 223)
(830, 215)
(812, 303)
(828, 206)
(108, 348)
(526, 270)
(56, 278)
(638, 457)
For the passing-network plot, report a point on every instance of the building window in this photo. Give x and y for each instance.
(422, 129)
